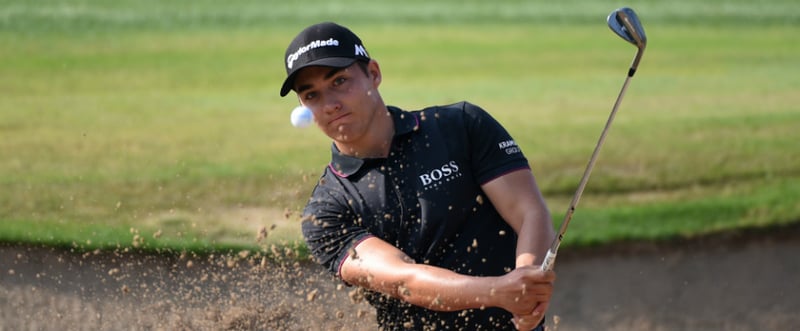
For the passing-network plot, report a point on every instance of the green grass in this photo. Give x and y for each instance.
(125, 118)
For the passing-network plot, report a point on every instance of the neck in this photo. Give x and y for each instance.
(377, 141)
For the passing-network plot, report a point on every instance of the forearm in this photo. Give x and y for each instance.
(444, 290)
(534, 238)
(518, 200)
(519, 291)
(378, 267)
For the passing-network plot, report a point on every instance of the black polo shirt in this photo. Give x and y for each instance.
(424, 198)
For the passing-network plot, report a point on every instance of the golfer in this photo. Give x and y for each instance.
(434, 212)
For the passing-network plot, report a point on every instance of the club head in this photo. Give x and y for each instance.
(625, 23)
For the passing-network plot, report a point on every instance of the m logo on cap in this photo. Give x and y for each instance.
(361, 51)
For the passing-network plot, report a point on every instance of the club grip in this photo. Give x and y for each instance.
(549, 260)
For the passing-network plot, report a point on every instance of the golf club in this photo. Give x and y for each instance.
(624, 23)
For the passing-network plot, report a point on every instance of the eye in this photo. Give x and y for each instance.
(339, 81)
(310, 96)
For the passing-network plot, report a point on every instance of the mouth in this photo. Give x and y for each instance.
(338, 118)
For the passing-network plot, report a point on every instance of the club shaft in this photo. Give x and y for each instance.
(549, 260)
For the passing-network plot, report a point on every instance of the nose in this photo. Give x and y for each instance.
(331, 104)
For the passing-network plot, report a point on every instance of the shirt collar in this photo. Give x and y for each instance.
(345, 165)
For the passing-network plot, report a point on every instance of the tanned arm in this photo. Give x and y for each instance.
(517, 198)
(381, 267)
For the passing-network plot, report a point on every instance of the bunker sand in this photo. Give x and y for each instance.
(741, 281)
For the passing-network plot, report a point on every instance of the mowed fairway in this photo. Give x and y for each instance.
(159, 125)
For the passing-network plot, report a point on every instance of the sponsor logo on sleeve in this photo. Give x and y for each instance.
(509, 146)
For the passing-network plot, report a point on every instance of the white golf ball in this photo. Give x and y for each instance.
(302, 117)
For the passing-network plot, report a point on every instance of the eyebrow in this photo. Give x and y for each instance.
(330, 74)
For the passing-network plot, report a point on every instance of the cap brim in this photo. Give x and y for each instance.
(334, 62)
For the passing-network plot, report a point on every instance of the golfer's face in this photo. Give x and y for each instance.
(342, 99)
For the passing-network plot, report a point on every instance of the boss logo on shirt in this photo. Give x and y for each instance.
(446, 172)
(509, 146)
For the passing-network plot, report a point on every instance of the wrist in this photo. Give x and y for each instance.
(489, 293)
(525, 259)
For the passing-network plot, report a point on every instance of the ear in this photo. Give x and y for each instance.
(374, 73)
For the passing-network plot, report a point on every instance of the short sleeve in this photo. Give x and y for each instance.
(330, 228)
(493, 151)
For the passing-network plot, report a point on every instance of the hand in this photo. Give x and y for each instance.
(526, 293)
(531, 321)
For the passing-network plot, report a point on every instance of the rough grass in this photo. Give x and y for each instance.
(134, 118)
